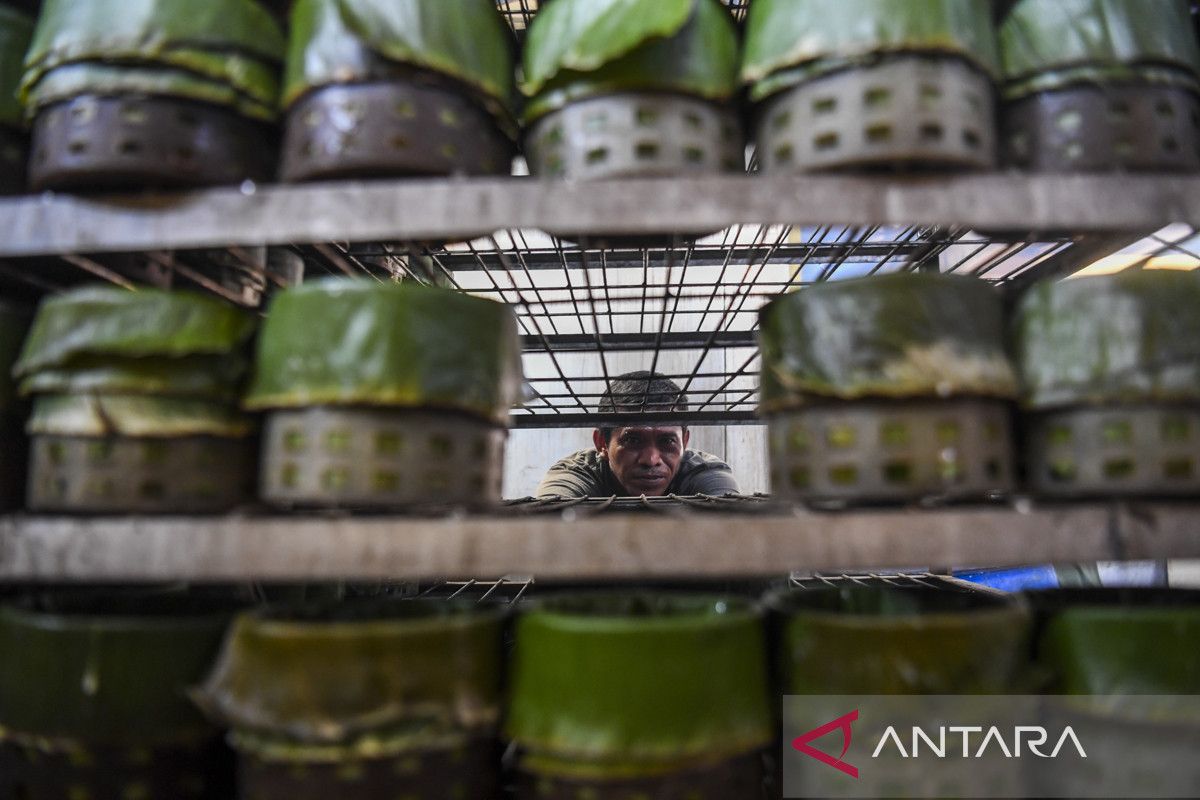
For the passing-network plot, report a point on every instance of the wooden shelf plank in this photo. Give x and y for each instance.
(608, 546)
(433, 209)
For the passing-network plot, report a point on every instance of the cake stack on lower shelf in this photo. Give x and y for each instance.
(616, 694)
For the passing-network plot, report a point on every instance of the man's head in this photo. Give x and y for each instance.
(644, 458)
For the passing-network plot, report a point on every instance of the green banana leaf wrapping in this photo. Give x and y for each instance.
(73, 80)
(1091, 75)
(903, 335)
(1132, 651)
(232, 42)
(343, 41)
(212, 377)
(614, 685)
(792, 41)
(16, 31)
(119, 324)
(343, 341)
(880, 640)
(1133, 337)
(1097, 641)
(108, 669)
(14, 325)
(582, 48)
(100, 416)
(371, 675)
(1045, 42)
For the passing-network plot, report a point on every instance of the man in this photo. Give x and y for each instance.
(649, 458)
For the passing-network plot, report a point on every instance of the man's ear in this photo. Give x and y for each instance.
(598, 440)
(686, 435)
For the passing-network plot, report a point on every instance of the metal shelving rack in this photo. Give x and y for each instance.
(681, 296)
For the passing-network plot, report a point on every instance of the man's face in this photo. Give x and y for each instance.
(644, 460)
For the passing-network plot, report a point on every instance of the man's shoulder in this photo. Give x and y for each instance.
(699, 460)
(580, 474)
(584, 459)
(704, 473)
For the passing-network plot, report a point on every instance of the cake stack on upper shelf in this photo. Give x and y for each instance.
(152, 93)
(621, 89)
(379, 88)
(856, 84)
(1094, 85)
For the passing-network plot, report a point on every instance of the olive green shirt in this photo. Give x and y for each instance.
(587, 474)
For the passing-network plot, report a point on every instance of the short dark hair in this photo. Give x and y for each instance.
(639, 392)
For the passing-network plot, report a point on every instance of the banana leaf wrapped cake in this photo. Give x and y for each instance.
(136, 93)
(135, 402)
(853, 84)
(378, 88)
(1097, 85)
(630, 89)
(867, 638)
(16, 31)
(1124, 670)
(1110, 368)
(888, 388)
(639, 695)
(384, 395)
(93, 694)
(383, 698)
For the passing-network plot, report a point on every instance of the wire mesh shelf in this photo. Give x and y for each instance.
(670, 504)
(901, 580)
(506, 590)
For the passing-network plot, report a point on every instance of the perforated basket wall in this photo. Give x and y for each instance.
(635, 135)
(93, 142)
(906, 111)
(390, 128)
(740, 777)
(1136, 450)
(468, 771)
(58, 770)
(195, 474)
(380, 458)
(1098, 128)
(872, 451)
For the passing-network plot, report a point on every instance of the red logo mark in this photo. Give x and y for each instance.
(843, 723)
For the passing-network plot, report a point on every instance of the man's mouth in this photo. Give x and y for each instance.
(649, 480)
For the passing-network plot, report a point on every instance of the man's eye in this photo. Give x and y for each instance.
(668, 444)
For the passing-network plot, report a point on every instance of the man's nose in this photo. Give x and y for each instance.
(650, 456)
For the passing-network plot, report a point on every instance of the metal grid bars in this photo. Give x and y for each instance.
(902, 580)
(578, 507)
(507, 590)
(689, 309)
